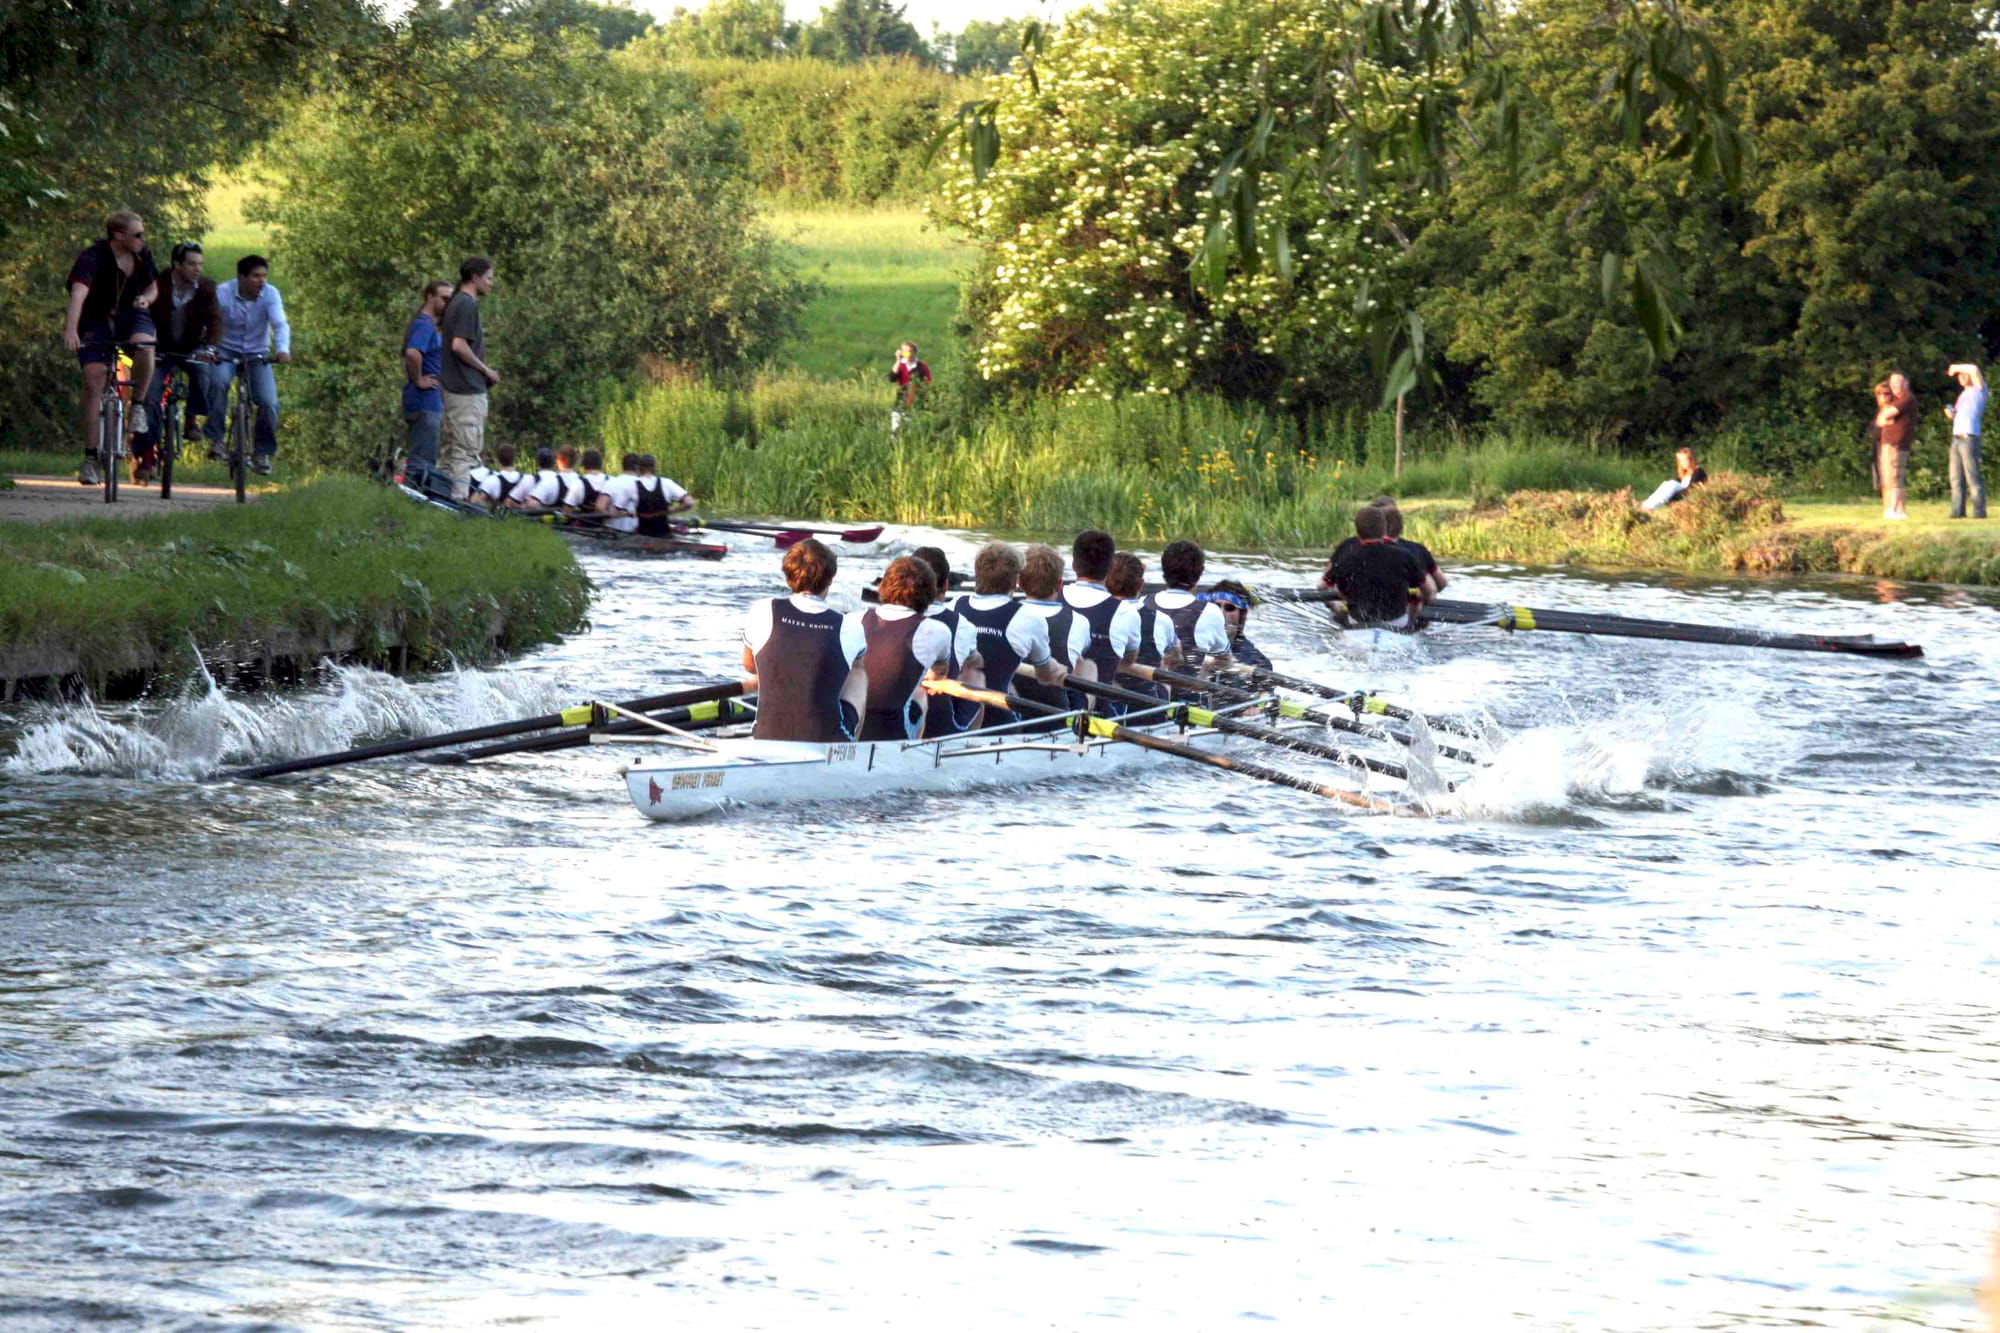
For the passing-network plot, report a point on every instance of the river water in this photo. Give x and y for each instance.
(1682, 1015)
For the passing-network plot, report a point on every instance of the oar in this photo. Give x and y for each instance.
(857, 535)
(1297, 711)
(699, 717)
(580, 715)
(1354, 699)
(1109, 730)
(1230, 726)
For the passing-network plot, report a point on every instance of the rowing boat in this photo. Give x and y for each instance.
(591, 534)
(710, 773)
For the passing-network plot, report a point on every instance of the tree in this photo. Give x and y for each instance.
(611, 26)
(987, 48)
(731, 30)
(851, 30)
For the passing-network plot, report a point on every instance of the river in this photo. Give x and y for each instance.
(1683, 1015)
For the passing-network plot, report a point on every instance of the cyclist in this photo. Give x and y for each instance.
(189, 325)
(111, 287)
(253, 324)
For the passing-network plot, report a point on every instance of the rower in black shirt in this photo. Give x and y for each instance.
(1434, 579)
(942, 717)
(799, 654)
(1373, 575)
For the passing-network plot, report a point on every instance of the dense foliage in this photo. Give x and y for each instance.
(621, 223)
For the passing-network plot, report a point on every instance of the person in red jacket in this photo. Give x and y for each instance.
(906, 375)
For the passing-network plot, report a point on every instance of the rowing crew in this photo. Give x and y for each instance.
(637, 500)
(1384, 577)
(822, 675)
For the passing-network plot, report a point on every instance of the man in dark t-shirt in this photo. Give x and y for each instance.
(1373, 575)
(111, 287)
(465, 376)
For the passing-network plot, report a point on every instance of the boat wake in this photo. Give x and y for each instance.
(206, 728)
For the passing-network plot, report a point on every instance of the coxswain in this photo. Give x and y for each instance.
(1198, 625)
(543, 493)
(942, 718)
(1434, 579)
(1113, 624)
(1069, 634)
(902, 645)
(1235, 602)
(799, 655)
(499, 482)
(657, 499)
(588, 485)
(998, 635)
(1377, 579)
(1159, 645)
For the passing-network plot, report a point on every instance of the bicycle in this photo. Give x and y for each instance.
(172, 406)
(111, 409)
(242, 417)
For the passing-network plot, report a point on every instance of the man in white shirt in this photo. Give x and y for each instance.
(997, 635)
(542, 492)
(1198, 624)
(253, 325)
(1114, 633)
(799, 656)
(1159, 645)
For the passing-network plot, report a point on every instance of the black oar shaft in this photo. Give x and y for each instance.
(579, 715)
(1354, 699)
(700, 717)
(1304, 714)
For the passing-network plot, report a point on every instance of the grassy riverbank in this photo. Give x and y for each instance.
(340, 566)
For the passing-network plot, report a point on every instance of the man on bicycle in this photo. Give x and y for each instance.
(253, 325)
(111, 286)
(189, 324)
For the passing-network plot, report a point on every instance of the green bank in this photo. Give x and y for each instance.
(339, 568)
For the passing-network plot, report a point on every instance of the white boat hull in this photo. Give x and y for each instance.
(689, 784)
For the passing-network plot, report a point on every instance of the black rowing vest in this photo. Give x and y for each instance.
(652, 508)
(800, 670)
(1185, 618)
(941, 716)
(506, 481)
(996, 650)
(891, 713)
(1054, 696)
(1149, 651)
(1100, 654)
(588, 501)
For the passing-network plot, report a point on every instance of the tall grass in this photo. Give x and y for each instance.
(1148, 469)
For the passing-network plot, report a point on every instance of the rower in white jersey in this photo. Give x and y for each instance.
(1114, 636)
(588, 484)
(997, 635)
(497, 483)
(620, 501)
(902, 646)
(1069, 633)
(942, 717)
(799, 656)
(1159, 645)
(548, 490)
(1199, 624)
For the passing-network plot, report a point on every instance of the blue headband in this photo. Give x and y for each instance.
(1227, 599)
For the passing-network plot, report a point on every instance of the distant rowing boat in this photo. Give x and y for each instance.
(593, 534)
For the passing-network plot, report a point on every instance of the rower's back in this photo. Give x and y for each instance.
(1041, 583)
(903, 644)
(804, 651)
(1373, 574)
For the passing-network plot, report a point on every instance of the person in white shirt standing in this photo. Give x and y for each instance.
(1967, 415)
(253, 325)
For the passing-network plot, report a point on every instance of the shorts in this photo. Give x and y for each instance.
(123, 326)
(1894, 465)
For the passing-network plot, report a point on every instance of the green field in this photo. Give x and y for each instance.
(889, 277)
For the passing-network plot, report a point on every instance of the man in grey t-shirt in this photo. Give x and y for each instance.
(466, 376)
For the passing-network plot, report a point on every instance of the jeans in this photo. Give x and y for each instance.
(422, 453)
(262, 385)
(1965, 476)
(193, 389)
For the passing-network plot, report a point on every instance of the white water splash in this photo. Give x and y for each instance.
(207, 728)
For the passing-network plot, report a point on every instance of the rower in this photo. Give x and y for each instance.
(1159, 645)
(543, 493)
(902, 645)
(997, 634)
(588, 484)
(1235, 601)
(1113, 624)
(1434, 579)
(942, 717)
(1199, 626)
(657, 499)
(498, 484)
(1069, 634)
(1377, 578)
(620, 501)
(799, 654)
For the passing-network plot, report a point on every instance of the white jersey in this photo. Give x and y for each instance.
(1079, 628)
(543, 488)
(1211, 631)
(757, 626)
(597, 481)
(499, 485)
(1125, 631)
(624, 492)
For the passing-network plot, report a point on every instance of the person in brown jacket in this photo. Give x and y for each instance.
(189, 321)
(1895, 431)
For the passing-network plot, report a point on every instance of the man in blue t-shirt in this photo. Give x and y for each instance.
(423, 402)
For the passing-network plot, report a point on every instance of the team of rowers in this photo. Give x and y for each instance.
(826, 676)
(637, 500)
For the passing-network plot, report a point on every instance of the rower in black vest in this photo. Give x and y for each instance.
(1103, 658)
(997, 636)
(805, 656)
(1126, 582)
(891, 712)
(653, 508)
(1041, 582)
(942, 716)
(998, 657)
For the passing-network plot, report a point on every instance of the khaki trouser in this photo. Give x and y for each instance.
(464, 439)
(1893, 464)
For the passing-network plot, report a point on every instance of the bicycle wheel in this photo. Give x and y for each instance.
(170, 443)
(110, 434)
(239, 444)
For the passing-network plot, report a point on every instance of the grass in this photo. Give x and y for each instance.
(888, 278)
(339, 559)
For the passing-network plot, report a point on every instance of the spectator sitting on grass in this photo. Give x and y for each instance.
(1688, 474)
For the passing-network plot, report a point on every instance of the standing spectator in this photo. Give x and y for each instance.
(1967, 415)
(906, 375)
(466, 376)
(111, 285)
(1896, 429)
(253, 324)
(189, 324)
(423, 400)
